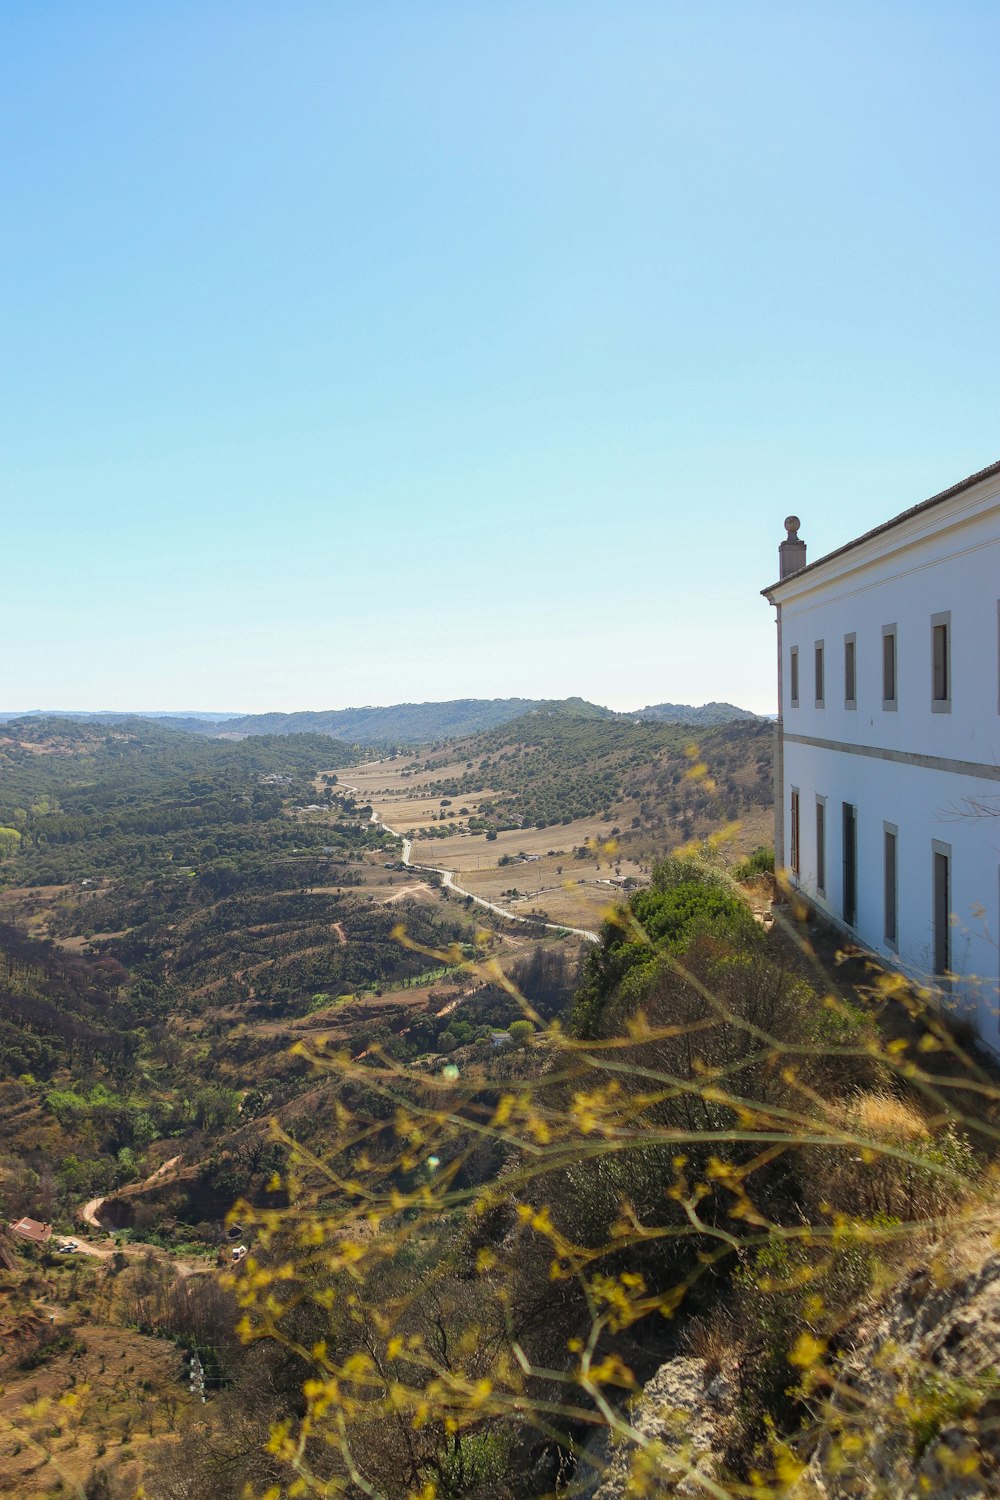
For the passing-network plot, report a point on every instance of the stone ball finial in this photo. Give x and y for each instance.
(792, 524)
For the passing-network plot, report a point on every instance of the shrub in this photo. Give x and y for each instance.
(491, 1255)
(684, 899)
(50, 1347)
(937, 1401)
(760, 862)
(786, 1288)
(870, 1179)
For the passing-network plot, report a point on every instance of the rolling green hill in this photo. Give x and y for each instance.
(402, 723)
(427, 723)
(685, 713)
(396, 724)
(550, 768)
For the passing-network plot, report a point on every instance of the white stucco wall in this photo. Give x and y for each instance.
(924, 806)
(957, 570)
(915, 768)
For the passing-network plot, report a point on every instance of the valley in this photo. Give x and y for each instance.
(181, 912)
(463, 1079)
(488, 808)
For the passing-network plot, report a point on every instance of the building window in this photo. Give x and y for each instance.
(793, 676)
(889, 666)
(941, 856)
(796, 844)
(890, 836)
(821, 845)
(819, 674)
(941, 663)
(849, 904)
(850, 671)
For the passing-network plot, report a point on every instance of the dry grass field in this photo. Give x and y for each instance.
(569, 890)
(553, 881)
(387, 784)
(561, 891)
(100, 1397)
(335, 1022)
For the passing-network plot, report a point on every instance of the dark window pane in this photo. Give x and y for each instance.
(890, 887)
(889, 668)
(820, 846)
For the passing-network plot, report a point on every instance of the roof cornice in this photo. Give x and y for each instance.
(915, 510)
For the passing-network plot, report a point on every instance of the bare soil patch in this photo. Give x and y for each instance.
(418, 890)
(78, 944)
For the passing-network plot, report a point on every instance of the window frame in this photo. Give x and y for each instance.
(793, 677)
(849, 882)
(890, 931)
(819, 673)
(851, 679)
(941, 631)
(941, 932)
(891, 705)
(795, 831)
(821, 845)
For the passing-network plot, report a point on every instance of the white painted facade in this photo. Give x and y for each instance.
(922, 768)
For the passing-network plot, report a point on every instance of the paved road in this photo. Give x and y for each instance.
(448, 880)
(89, 1213)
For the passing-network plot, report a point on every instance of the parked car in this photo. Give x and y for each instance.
(239, 1251)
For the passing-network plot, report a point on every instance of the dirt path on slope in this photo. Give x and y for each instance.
(448, 880)
(89, 1211)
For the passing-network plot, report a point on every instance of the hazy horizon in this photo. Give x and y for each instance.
(207, 713)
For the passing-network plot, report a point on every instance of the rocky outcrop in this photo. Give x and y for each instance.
(678, 1423)
(907, 1409)
(914, 1406)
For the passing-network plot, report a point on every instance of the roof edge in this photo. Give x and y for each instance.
(904, 515)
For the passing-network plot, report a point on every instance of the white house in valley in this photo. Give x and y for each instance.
(887, 801)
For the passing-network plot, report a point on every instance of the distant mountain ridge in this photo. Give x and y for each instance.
(685, 713)
(175, 717)
(407, 723)
(422, 723)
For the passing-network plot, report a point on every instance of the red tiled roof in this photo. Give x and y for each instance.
(31, 1229)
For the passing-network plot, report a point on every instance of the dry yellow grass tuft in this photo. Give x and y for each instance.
(887, 1117)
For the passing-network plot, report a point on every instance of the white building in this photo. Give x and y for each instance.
(888, 762)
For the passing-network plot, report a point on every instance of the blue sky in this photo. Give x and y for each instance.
(362, 352)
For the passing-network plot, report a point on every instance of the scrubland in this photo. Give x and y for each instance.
(508, 1199)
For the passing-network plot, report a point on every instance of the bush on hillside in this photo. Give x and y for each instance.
(760, 862)
(685, 897)
(475, 1273)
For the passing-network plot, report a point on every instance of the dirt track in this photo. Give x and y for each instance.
(448, 880)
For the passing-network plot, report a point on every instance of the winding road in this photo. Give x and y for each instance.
(448, 880)
(134, 1249)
